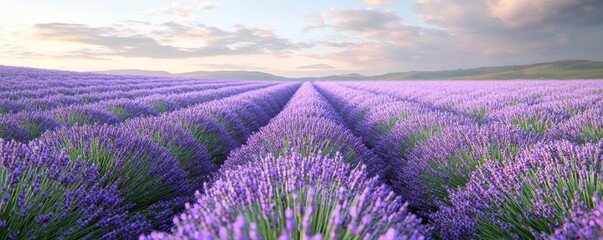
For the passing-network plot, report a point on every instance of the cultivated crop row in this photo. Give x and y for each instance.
(485, 179)
(304, 175)
(52, 101)
(535, 106)
(34, 82)
(102, 181)
(27, 125)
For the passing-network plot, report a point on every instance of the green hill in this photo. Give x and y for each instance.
(570, 69)
(566, 69)
(243, 75)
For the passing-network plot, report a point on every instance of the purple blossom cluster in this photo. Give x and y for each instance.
(135, 175)
(543, 186)
(436, 147)
(301, 176)
(225, 124)
(307, 125)
(295, 197)
(145, 173)
(536, 106)
(117, 110)
(47, 195)
(581, 225)
(84, 89)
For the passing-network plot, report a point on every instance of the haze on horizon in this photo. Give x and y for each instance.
(297, 38)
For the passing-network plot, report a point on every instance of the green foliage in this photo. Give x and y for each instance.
(416, 138)
(54, 193)
(388, 125)
(535, 124)
(131, 177)
(119, 112)
(159, 106)
(33, 128)
(309, 147)
(592, 133)
(455, 172)
(569, 191)
(479, 113)
(76, 119)
(211, 140)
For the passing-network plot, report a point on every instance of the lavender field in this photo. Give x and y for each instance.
(97, 156)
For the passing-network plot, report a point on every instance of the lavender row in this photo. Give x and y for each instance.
(28, 79)
(551, 190)
(296, 179)
(116, 182)
(25, 93)
(56, 101)
(226, 124)
(443, 165)
(418, 142)
(536, 106)
(468, 97)
(307, 125)
(26, 126)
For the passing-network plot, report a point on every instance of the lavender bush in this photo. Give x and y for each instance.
(532, 195)
(295, 197)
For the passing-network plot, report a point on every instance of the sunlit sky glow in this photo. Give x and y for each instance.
(297, 38)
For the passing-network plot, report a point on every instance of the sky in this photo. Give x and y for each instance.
(297, 38)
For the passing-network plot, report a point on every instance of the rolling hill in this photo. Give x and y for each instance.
(565, 69)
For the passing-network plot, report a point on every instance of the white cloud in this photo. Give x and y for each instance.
(170, 40)
(378, 2)
(481, 15)
(208, 5)
(175, 8)
(485, 32)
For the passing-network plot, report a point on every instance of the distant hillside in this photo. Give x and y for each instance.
(569, 69)
(136, 72)
(246, 75)
(566, 69)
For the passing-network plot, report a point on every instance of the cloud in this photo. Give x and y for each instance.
(175, 8)
(552, 29)
(381, 25)
(454, 34)
(21, 52)
(497, 15)
(316, 66)
(461, 34)
(378, 2)
(170, 40)
(360, 20)
(208, 5)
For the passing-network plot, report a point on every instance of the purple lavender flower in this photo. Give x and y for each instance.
(307, 132)
(447, 160)
(49, 195)
(531, 195)
(289, 188)
(582, 128)
(83, 115)
(145, 174)
(192, 156)
(10, 130)
(581, 225)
